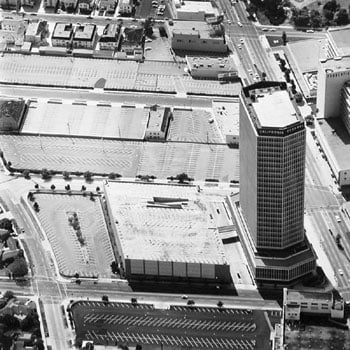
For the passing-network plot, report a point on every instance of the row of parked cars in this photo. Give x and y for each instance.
(159, 6)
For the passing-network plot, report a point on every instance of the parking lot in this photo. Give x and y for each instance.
(128, 158)
(85, 73)
(88, 260)
(174, 328)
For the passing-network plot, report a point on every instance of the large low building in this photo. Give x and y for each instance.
(216, 68)
(158, 123)
(85, 36)
(11, 114)
(338, 42)
(168, 232)
(196, 36)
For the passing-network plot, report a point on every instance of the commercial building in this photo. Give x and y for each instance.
(125, 6)
(85, 36)
(196, 36)
(109, 40)
(195, 10)
(35, 31)
(296, 303)
(212, 67)
(62, 34)
(345, 105)
(168, 232)
(227, 117)
(132, 41)
(272, 181)
(158, 123)
(333, 73)
(338, 42)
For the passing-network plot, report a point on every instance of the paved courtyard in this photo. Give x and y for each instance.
(128, 158)
(175, 328)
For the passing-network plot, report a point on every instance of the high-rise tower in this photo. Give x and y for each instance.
(272, 181)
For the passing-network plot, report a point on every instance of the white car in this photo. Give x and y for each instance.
(240, 24)
(242, 41)
(337, 217)
(341, 272)
(148, 40)
(265, 30)
(310, 31)
(272, 30)
(148, 48)
(229, 22)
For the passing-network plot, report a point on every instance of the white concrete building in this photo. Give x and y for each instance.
(125, 6)
(338, 42)
(33, 32)
(332, 75)
(62, 34)
(110, 37)
(158, 123)
(196, 36)
(211, 67)
(296, 303)
(85, 36)
(195, 10)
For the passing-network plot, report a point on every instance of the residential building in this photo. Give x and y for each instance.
(196, 36)
(8, 3)
(27, 3)
(132, 44)
(272, 181)
(125, 6)
(212, 67)
(85, 36)
(108, 5)
(195, 10)
(333, 73)
(296, 303)
(36, 31)
(110, 37)
(158, 123)
(68, 4)
(50, 3)
(86, 6)
(62, 34)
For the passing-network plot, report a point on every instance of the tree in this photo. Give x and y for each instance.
(190, 302)
(45, 174)
(83, 188)
(284, 38)
(105, 299)
(148, 26)
(36, 206)
(329, 15)
(31, 196)
(76, 275)
(182, 178)
(315, 19)
(342, 17)
(67, 187)
(114, 267)
(9, 295)
(11, 322)
(220, 303)
(330, 6)
(112, 176)
(31, 321)
(19, 267)
(97, 189)
(26, 174)
(66, 175)
(36, 186)
(53, 187)
(6, 224)
(88, 176)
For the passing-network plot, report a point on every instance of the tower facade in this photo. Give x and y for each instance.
(272, 182)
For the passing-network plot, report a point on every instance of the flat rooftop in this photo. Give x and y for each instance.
(197, 6)
(150, 230)
(338, 140)
(336, 64)
(307, 53)
(227, 116)
(341, 38)
(84, 32)
(201, 29)
(275, 110)
(62, 31)
(103, 120)
(304, 295)
(211, 63)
